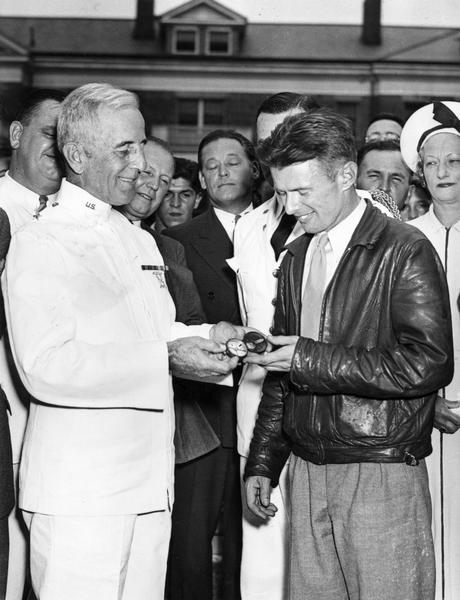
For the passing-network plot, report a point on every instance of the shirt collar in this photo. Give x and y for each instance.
(29, 199)
(340, 235)
(82, 204)
(435, 223)
(227, 218)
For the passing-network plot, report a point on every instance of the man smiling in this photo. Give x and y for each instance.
(33, 179)
(363, 342)
(94, 340)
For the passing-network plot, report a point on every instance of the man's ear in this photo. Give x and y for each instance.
(255, 170)
(202, 180)
(348, 173)
(74, 156)
(16, 130)
(198, 198)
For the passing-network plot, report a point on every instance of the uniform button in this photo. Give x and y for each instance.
(211, 295)
(274, 302)
(271, 330)
(276, 273)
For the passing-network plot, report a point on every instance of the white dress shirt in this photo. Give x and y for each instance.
(228, 220)
(339, 237)
(89, 327)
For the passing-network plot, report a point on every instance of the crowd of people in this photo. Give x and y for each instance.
(130, 432)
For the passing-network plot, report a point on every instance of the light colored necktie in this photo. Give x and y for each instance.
(312, 298)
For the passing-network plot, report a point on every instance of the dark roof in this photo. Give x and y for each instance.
(262, 41)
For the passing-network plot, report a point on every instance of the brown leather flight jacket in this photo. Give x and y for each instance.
(365, 391)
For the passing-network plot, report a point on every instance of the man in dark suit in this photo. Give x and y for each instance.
(208, 488)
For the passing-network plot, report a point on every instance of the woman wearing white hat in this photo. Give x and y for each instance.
(430, 144)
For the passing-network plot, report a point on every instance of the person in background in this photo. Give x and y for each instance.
(430, 143)
(380, 166)
(193, 435)
(384, 126)
(259, 240)
(208, 488)
(182, 198)
(32, 181)
(93, 336)
(362, 342)
(418, 201)
(5, 158)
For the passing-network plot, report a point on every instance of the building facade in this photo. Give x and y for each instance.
(202, 66)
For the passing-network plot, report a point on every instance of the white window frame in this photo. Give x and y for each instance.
(186, 28)
(211, 30)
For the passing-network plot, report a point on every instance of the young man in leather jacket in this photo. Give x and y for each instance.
(362, 343)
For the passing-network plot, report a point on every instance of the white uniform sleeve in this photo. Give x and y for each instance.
(55, 364)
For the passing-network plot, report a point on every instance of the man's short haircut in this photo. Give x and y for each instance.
(219, 134)
(31, 104)
(322, 134)
(78, 119)
(380, 146)
(188, 170)
(287, 101)
(387, 117)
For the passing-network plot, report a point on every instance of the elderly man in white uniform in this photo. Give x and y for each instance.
(430, 143)
(90, 318)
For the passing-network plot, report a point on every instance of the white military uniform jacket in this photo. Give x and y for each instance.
(444, 467)
(256, 269)
(89, 315)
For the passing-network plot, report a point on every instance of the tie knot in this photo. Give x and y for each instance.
(322, 241)
(42, 199)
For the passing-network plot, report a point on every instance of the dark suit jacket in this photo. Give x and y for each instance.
(207, 246)
(6, 460)
(193, 435)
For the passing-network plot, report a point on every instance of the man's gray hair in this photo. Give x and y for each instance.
(79, 112)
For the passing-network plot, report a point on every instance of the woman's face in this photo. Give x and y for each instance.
(441, 167)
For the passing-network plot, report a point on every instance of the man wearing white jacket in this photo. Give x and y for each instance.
(90, 320)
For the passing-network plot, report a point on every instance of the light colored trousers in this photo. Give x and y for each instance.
(19, 539)
(360, 531)
(444, 476)
(99, 558)
(264, 561)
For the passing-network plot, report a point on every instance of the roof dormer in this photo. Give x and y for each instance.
(203, 27)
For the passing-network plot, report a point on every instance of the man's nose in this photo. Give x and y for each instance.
(291, 203)
(138, 158)
(175, 199)
(223, 170)
(385, 184)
